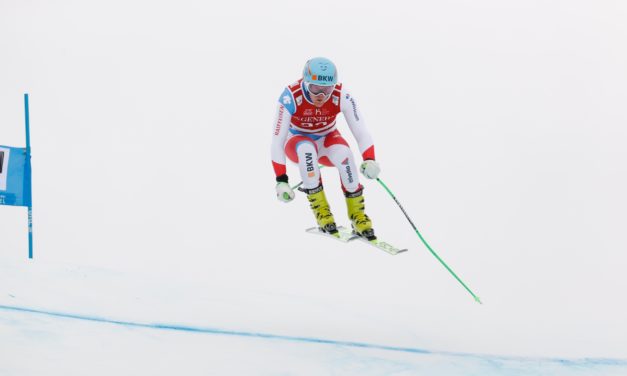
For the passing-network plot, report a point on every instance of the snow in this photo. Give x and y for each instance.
(82, 323)
(499, 126)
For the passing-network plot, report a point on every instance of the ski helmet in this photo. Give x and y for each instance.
(320, 71)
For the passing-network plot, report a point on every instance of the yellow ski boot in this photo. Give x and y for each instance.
(362, 225)
(320, 207)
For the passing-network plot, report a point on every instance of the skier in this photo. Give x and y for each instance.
(305, 131)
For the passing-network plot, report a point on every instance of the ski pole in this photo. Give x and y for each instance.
(427, 244)
(298, 185)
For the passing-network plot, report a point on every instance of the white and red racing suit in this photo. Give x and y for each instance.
(307, 135)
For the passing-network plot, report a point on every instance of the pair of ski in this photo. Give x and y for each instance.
(346, 235)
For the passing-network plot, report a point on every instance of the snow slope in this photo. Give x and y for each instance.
(83, 324)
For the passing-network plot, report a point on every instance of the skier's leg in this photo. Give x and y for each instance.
(342, 158)
(336, 149)
(321, 210)
(304, 152)
(356, 212)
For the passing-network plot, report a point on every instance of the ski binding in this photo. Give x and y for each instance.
(346, 235)
(343, 234)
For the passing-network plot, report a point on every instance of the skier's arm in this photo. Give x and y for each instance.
(279, 134)
(357, 126)
(282, 120)
(280, 128)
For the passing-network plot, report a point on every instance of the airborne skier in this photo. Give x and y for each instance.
(305, 131)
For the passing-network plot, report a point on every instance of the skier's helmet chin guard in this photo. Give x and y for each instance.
(320, 76)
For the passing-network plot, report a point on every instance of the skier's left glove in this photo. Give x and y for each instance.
(370, 169)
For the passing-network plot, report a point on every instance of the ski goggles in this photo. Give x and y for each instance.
(317, 90)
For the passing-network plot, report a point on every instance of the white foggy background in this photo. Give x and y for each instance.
(500, 126)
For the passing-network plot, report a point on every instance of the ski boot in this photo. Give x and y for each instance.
(320, 207)
(362, 225)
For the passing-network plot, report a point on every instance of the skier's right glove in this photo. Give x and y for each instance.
(284, 192)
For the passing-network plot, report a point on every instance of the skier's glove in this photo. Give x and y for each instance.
(370, 169)
(284, 192)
